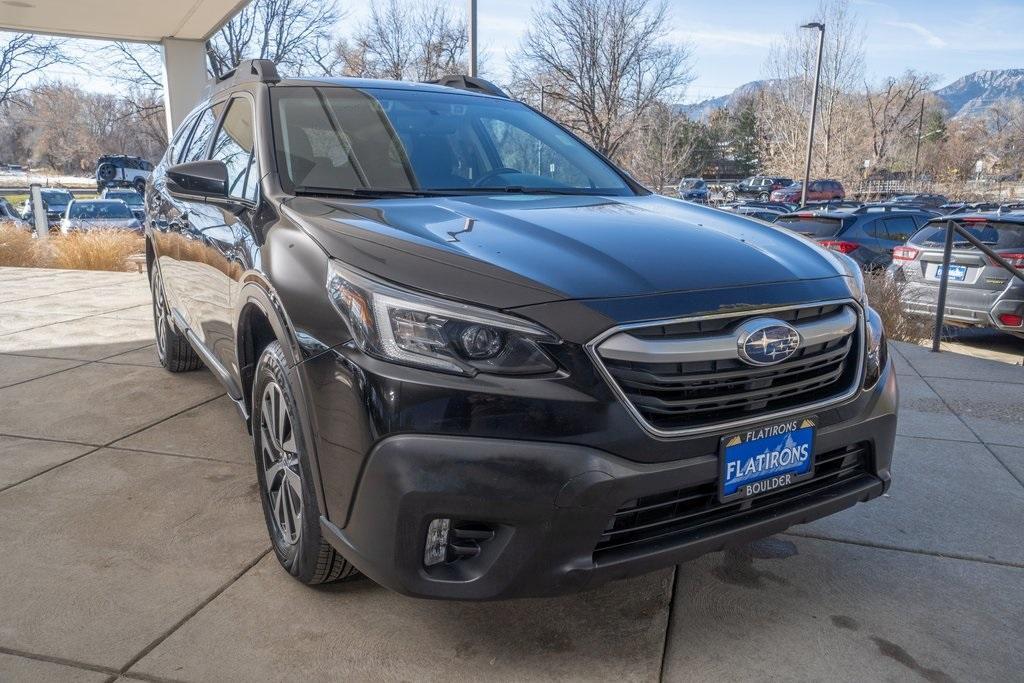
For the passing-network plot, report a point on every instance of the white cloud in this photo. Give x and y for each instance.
(930, 38)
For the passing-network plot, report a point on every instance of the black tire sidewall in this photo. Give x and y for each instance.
(299, 559)
(155, 281)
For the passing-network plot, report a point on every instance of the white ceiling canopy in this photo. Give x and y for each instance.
(133, 20)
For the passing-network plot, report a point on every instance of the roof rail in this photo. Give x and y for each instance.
(471, 83)
(259, 70)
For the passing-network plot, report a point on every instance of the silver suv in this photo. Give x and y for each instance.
(981, 293)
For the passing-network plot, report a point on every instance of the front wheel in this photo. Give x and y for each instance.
(730, 195)
(763, 196)
(289, 499)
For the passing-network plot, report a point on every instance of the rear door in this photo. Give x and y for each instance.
(891, 232)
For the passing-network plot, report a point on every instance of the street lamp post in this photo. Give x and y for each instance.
(471, 28)
(814, 109)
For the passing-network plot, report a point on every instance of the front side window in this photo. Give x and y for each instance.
(342, 139)
(200, 140)
(234, 146)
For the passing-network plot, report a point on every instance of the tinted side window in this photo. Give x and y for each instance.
(234, 146)
(900, 229)
(180, 138)
(203, 132)
(876, 229)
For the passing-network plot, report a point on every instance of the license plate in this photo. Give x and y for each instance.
(957, 273)
(766, 459)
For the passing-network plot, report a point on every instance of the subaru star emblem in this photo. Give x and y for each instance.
(766, 341)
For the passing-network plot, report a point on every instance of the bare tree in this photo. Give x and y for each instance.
(892, 112)
(292, 33)
(23, 55)
(786, 100)
(609, 61)
(405, 40)
(660, 150)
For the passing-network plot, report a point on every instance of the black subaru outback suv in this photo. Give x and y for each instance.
(480, 361)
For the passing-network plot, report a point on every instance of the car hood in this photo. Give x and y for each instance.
(514, 250)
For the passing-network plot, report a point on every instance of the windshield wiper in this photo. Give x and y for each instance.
(366, 192)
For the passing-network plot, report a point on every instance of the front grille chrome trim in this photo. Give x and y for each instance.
(846, 396)
(624, 346)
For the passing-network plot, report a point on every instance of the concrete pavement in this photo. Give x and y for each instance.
(133, 545)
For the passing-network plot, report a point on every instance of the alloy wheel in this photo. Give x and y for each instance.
(160, 310)
(280, 461)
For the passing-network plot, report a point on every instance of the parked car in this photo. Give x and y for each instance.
(867, 234)
(54, 200)
(817, 190)
(99, 214)
(922, 200)
(9, 215)
(133, 199)
(756, 187)
(766, 211)
(954, 208)
(120, 170)
(694, 190)
(475, 373)
(980, 292)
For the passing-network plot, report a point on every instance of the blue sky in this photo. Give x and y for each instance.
(948, 38)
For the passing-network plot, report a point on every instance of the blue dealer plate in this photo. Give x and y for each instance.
(956, 273)
(766, 459)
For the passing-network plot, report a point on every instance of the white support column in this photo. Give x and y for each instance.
(184, 78)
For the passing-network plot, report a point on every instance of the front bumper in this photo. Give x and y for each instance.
(548, 504)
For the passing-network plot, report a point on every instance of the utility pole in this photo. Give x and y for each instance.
(814, 109)
(471, 25)
(920, 129)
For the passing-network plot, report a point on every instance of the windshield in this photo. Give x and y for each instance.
(996, 234)
(812, 226)
(129, 198)
(100, 210)
(52, 197)
(691, 184)
(336, 140)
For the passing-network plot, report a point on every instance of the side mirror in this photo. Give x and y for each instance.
(198, 180)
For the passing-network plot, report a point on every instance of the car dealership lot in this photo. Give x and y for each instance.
(133, 543)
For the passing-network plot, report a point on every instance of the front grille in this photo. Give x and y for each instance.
(686, 514)
(678, 396)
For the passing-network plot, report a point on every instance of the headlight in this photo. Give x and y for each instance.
(416, 329)
(877, 347)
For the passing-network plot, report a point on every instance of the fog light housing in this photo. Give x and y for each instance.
(1011, 319)
(436, 549)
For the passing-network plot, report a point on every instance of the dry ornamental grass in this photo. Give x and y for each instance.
(884, 296)
(92, 250)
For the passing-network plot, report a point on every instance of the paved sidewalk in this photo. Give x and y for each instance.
(133, 545)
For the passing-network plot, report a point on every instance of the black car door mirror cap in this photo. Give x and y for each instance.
(199, 180)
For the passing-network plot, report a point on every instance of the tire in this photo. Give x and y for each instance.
(106, 173)
(290, 506)
(764, 196)
(172, 348)
(140, 186)
(730, 195)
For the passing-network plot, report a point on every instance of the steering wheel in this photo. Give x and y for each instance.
(494, 173)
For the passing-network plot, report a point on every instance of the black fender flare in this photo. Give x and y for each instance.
(257, 293)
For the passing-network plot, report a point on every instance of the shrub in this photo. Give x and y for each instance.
(95, 249)
(18, 248)
(884, 295)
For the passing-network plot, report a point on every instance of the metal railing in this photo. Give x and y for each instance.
(952, 227)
